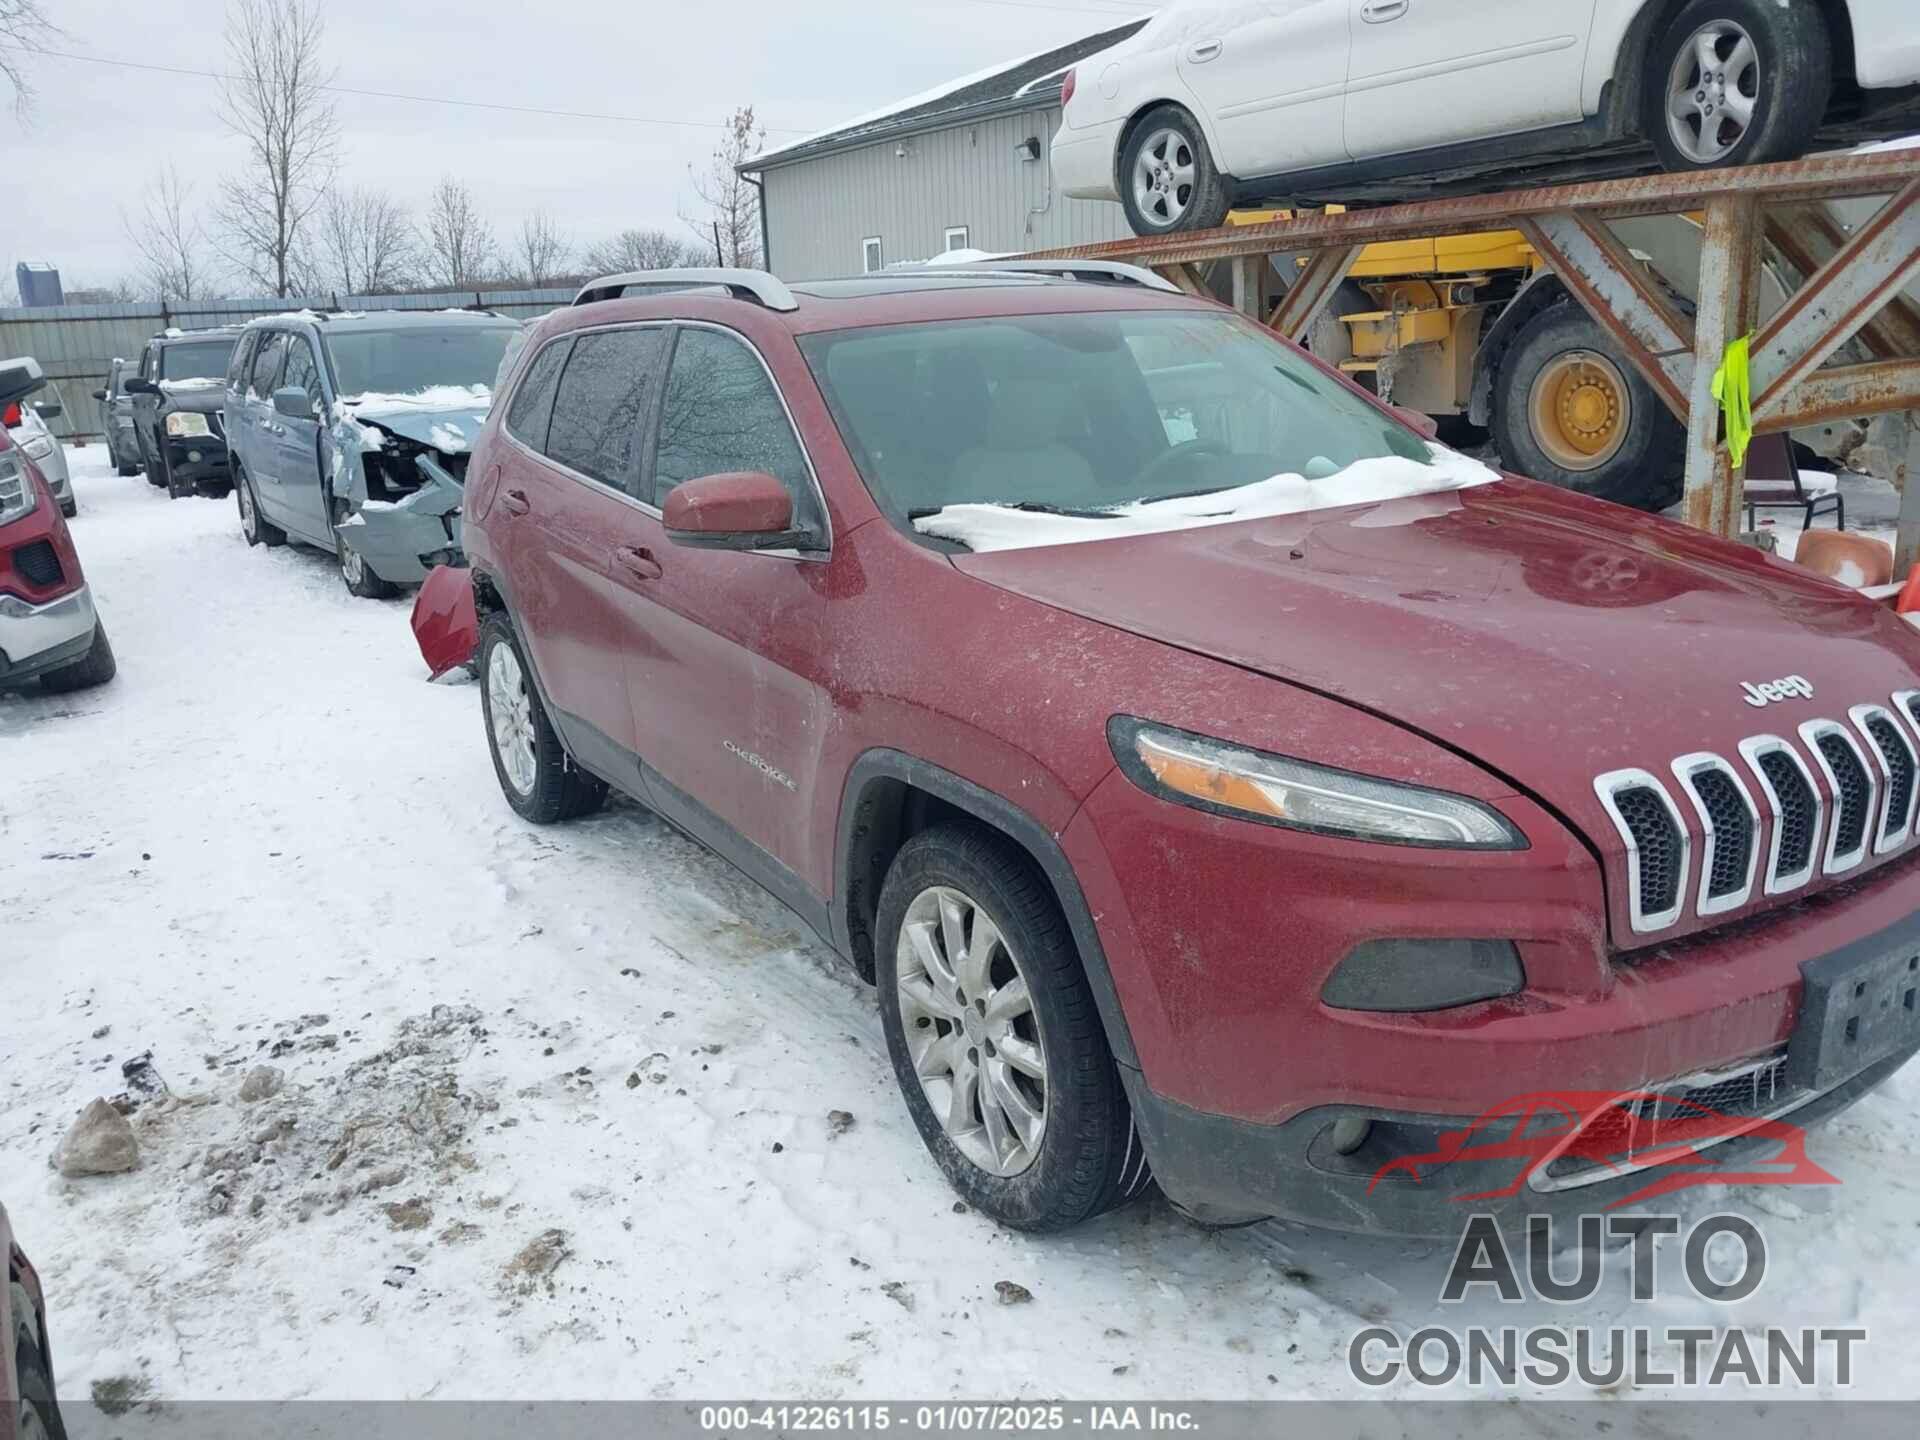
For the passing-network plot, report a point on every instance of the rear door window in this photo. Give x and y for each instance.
(266, 365)
(532, 405)
(722, 413)
(604, 403)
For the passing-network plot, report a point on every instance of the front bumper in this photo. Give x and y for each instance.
(1217, 1167)
(402, 541)
(38, 638)
(198, 460)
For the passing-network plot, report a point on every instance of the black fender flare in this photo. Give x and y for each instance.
(1000, 814)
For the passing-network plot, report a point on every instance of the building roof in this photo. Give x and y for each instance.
(1019, 85)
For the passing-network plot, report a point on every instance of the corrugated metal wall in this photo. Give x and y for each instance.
(77, 343)
(819, 211)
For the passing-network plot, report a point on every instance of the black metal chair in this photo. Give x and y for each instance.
(1775, 482)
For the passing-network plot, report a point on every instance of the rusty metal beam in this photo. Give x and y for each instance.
(1186, 278)
(1839, 299)
(1807, 237)
(1823, 177)
(1730, 254)
(1249, 288)
(1293, 317)
(1844, 393)
(1619, 293)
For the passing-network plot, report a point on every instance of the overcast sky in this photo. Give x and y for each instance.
(98, 131)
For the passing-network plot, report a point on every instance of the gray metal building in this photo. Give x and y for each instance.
(968, 169)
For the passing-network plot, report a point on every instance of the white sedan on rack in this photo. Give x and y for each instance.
(1231, 102)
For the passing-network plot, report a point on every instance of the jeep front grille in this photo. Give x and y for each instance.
(1768, 825)
(1657, 845)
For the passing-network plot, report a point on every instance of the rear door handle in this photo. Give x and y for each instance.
(1206, 50)
(514, 502)
(1379, 12)
(638, 561)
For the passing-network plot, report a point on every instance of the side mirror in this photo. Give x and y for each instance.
(100, 395)
(293, 402)
(49, 408)
(736, 510)
(1424, 424)
(140, 385)
(19, 379)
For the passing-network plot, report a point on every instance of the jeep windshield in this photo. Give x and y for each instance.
(1044, 429)
(202, 360)
(407, 362)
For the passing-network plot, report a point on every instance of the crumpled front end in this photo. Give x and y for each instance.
(399, 479)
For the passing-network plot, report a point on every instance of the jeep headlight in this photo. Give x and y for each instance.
(184, 423)
(17, 495)
(1274, 790)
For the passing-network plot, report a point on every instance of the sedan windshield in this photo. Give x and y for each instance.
(202, 360)
(405, 362)
(1109, 423)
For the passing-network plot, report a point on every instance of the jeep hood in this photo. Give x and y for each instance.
(1549, 637)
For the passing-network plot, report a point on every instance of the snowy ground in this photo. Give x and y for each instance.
(556, 1109)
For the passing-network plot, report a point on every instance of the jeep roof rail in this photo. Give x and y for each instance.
(1109, 272)
(741, 284)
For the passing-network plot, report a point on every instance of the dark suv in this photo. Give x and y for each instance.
(179, 392)
(1222, 782)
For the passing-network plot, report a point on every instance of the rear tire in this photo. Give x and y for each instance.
(96, 667)
(1168, 181)
(978, 1026)
(539, 779)
(1571, 411)
(1768, 89)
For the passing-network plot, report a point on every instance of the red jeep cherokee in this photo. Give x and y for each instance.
(1220, 782)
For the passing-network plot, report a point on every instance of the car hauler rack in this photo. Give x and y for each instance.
(1845, 344)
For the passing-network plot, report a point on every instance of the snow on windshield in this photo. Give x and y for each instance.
(433, 397)
(1005, 527)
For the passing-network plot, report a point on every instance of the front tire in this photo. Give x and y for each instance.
(539, 780)
(1571, 411)
(1168, 181)
(256, 527)
(1738, 82)
(96, 667)
(38, 1416)
(994, 1036)
(355, 572)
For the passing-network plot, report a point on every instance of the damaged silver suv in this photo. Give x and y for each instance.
(350, 432)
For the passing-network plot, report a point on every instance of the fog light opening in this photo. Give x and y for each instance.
(1350, 1133)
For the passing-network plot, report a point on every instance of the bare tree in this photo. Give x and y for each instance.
(274, 98)
(543, 252)
(363, 242)
(172, 244)
(731, 227)
(23, 27)
(643, 250)
(460, 245)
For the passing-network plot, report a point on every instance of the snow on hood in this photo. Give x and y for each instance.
(984, 528)
(447, 417)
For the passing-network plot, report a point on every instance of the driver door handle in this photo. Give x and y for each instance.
(638, 561)
(514, 502)
(1206, 50)
(1381, 11)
